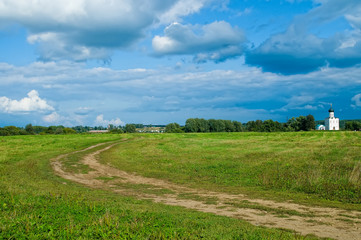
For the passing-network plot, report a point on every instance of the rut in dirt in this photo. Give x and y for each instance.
(319, 221)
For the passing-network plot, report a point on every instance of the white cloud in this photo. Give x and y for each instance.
(182, 8)
(32, 103)
(102, 122)
(301, 49)
(357, 100)
(216, 41)
(92, 29)
(187, 7)
(65, 120)
(83, 111)
(181, 92)
(52, 118)
(302, 102)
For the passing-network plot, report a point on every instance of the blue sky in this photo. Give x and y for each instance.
(100, 62)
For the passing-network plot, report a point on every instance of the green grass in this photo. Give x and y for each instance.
(277, 211)
(312, 167)
(144, 188)
(192, 196)
(36, 204)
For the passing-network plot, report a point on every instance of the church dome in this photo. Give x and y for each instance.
(331, 109)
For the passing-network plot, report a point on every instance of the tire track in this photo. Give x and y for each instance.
(320, 221)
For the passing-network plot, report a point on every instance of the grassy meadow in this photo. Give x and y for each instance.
(322, 168)
(36, 204)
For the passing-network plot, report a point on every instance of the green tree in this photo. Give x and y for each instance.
(173, 128)
(12, 130)
(301, 123)
(291, 124)
(116, 131)
(251, 126)
(39, 129)
(130, 128)
(69, 131)
(310, 123)
(212, 125)
(237, 126)
(51, 130)
(269, 126)
(191, 125)
(29, 129)
(220, 126)
(228, 126)
(279, 126)
(59, 131)
(203, 125)
(353, 125)
(4, 132)
(255, 126)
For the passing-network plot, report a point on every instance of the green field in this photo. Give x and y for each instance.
(320, 168)
(316, 167)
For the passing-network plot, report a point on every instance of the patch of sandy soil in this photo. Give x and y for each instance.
(320, 221)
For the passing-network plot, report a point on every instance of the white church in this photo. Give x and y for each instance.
(332, 123)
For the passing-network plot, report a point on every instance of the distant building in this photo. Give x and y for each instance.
(332, 123)
(320, 127)
(98, 131)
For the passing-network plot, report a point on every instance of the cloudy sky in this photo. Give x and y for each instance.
(95, 62)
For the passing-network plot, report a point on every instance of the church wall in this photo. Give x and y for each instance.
(332, 124)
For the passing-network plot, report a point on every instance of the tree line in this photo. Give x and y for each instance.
(32, 130)
(41, 130)
(301, 123)
(193, 125)
(353, 125)
(203, 125)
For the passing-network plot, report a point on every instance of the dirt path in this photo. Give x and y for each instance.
(322, 222)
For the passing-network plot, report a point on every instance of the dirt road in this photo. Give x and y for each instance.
(322, 222)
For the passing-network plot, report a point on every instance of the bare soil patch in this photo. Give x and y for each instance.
(319, 221)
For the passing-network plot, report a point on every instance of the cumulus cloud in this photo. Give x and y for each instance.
(216, 41)
(31, 103)
(102, 122)
(52, 118)
(302, 102)
(182, 95)
(357, 100)
(83, 111)
(81, 30)
(299, 51)
(66, 120)
(183, 8)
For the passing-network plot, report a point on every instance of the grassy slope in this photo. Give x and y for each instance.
(311, 167)
(35, 204)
